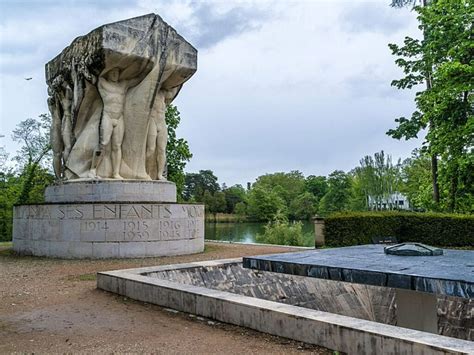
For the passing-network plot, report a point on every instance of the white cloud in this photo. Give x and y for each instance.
(303, 85)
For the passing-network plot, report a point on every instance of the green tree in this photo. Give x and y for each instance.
(317, 185)
(177, 150)
(339, 193)
(403, 3)
(427, 79)
(287, 185)
(444, 59)
(358, 200)
(416, 176)
(303, 207)
(214, 202)
(234, 195)
(9, 190)
(196, 184)
(34, 156)
(240, 210)
(376, 180)
(264, 204)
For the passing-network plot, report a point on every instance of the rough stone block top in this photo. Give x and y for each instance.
(131, 45)
(450, 274)
(116, 81)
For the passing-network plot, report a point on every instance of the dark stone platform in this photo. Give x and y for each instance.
(451, 274)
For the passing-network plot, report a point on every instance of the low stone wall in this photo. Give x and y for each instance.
(159, 285)
(352, 300)
(455, 315)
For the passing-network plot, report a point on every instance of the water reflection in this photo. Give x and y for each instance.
(242, 232)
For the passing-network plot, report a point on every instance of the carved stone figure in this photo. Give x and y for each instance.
(108, 95)
(158, 131)
(111, 130)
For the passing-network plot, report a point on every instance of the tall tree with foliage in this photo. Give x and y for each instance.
(427, 79)
(214, 202)
(444, 60)
(8, 195)
(303, 207)
(339, 193)
(34, 156)
(416, 177)
(377, 179)
(265, 203)
(317, 185)
(177, 150)
(196, 184)
(234, 195)
(287, 185)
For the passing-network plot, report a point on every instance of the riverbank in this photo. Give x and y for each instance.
(224, 218)
(53, 306)
(246, 232)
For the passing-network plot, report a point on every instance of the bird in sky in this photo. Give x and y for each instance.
(28, 78)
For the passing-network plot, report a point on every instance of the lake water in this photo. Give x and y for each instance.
(244, 232)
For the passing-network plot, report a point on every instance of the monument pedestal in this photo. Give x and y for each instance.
(109, 219)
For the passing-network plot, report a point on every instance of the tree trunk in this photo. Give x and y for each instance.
(453, 190)
(434, 158)
(434, 176)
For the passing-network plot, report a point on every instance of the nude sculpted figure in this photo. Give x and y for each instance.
(158, 130)
(113, 92)
(60, 102)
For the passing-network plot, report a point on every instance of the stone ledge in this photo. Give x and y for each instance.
(111, 191)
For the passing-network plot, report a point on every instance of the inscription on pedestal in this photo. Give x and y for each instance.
(119, 222)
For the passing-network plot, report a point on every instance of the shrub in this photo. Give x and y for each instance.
(444, 230)
(280, 231)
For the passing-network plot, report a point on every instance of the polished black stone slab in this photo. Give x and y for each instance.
(450, 274)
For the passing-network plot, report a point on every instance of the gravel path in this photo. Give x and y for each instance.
(53, 306)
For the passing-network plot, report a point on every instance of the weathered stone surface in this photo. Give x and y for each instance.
(379, 304)
(112, 191)
(108, 230)
(449, 274)
(359, 301)
(108, 94)
(346, 334)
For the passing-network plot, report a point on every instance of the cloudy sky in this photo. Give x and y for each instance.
(280, 86)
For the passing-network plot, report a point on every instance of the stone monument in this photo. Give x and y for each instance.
(108, 92)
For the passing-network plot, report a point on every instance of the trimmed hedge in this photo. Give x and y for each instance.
(443, 230)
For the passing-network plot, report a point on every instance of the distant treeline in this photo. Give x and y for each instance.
(370, 186)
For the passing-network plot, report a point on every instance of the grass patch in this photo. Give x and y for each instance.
(209, 248)
(6, 244)
(83, 277)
